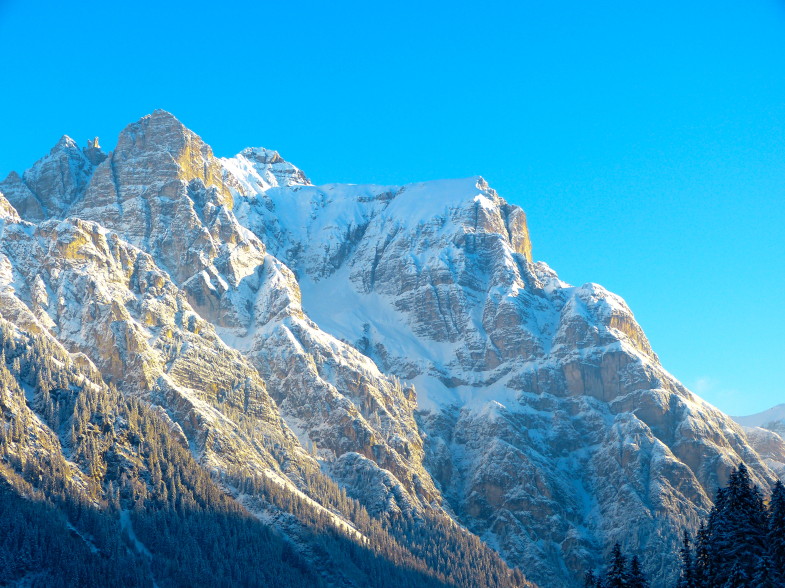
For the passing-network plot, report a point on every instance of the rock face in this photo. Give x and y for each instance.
(399, 339)
(108, 301)
(54, 183)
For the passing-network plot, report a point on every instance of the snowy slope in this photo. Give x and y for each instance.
(766, 433)
(761, 419)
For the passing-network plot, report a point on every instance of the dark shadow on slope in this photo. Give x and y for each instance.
(174, 548)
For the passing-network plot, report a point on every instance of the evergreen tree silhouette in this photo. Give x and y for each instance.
(636, 579)
(743, 543)
(737, 529)
(738, 577)
(617, 576)
(687, 576)
(590, 580)
(775, 535)
(702, 558)
(761, 576)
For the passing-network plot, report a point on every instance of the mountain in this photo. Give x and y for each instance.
(768, 417)
(766, 433)
(379, 377)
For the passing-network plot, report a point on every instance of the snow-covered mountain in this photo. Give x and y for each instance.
(771, 416)
(766, 433)
(399, 342)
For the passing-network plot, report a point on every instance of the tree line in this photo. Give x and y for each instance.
(621, 572)
(742, 544)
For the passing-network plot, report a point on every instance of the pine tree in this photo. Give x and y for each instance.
(737, 528)
(702, 559)
(737, 578)
(617, 576)
(775, 533)
(636, 579)
(687, 577)
(590, 580)
(761, 576)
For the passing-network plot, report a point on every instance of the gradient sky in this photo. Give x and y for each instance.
(645, 140)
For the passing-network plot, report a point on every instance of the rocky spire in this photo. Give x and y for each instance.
(50, 187)
(163, 190)
(93, 152)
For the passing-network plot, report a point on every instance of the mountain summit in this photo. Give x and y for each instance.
(380, 376)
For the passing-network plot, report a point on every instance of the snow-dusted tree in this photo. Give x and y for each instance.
(590, 580)
(702, 558)
(738, 545)
(617, 575)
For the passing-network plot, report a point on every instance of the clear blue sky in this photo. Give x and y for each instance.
(645, 140)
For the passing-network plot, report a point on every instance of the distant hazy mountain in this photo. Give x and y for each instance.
(766, 433)
(774, 414)
(377, 383)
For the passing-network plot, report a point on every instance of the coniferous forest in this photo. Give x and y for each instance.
(621, 572)
(741, 545)
(743, 542)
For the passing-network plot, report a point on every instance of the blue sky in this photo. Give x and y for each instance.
(645, 140)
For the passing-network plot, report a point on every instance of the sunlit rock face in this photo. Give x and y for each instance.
(107, 300)
(401, 339)
(164, 191)
(7, 211)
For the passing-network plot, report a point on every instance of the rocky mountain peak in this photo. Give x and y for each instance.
(157, 131)
(52, 184)
(259, 169)
(65, 142)
(13, 176)
(163, 190)
(262, 155)
(164, 144)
